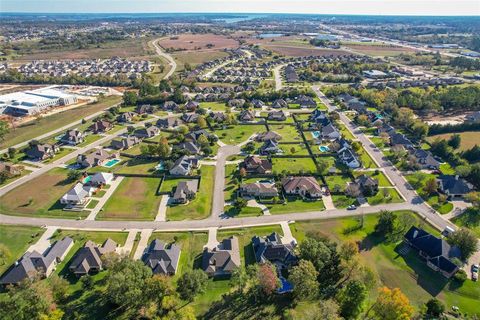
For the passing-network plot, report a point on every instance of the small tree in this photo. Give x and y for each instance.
(465, 240)
(386, 223)
(392, 304)
(455, 141)
(12, 152)
(353, 190)
(73, 175)
(435, 308)
(430, 186)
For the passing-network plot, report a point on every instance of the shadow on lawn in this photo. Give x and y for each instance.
(430, 280)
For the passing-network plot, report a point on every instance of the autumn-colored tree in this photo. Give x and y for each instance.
(392, 304)
(268, 281)
(201, 122)
(163, 149)
(243, 172)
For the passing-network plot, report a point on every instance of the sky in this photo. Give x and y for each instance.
(373, 7)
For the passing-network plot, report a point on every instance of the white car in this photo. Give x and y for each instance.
(475, 272)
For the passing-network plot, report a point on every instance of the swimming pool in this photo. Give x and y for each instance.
(316, 134)
(160, 166)
(286, 286)
(87, 179)
(111, 163)
(324, 148)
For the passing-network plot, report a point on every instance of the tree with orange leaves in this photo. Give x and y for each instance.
(392, 304)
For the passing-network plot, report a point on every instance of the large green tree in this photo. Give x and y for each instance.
(304, 280)
(191, 283)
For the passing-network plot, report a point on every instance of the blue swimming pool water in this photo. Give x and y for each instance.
(324, 148)
(316, 134)
(160, 166)
(286, 286)
(111, 163)
(87, 179)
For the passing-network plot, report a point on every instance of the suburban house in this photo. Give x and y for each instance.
(100, 179)
(437, 252)
(190, 117)
(147, 132)
(169, 123)
(10, 169)
(41, 152)
(398, 139)
(96, 158)
(194, 135)
(223, 259)
(271, 249)
(88, 259)
(125, 143)
(33, 263)
(144, 108)
(306, 102)
(258, 189)
(270, 147)
(76, 196)
(425, 159)
(348, 158)
(183, 166)
(162, 259)
(257, 103)
(246, 115)
(367, 184)
(101, 126)
(73, 137)
(305, 187)
(277, 116)
(126, 117)
(254, 164)
(269, 135)
(170, 105)
(453, 186)
(192, 105)
(279, 103)
(185, 191)
(319, 116)
(218, 117)
(330, 132)
(191, 147)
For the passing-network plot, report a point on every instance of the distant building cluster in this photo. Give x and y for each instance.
(26, 103)
(85, 68)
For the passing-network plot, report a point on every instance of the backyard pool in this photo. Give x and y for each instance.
(160, 166)
(316, 134)
(111, 163)
(87, 179)
(286, 286)
(324, 148)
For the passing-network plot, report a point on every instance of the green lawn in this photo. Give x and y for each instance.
(417, 181)
(62, 153)
(391, 197)
(137, 166)
(367, 161)
(294, 204)
(337, 182)
(293, 165)
(345, 132)
(35, 128)
(380, 176)
(243, 212)
(231, 183)
(134, 199)
(201, 206)
(16, 239)
(294, 149)
(343, 201)
(288, 132)
(92, 204)
(238, 133)
(214, 106)
(24, 173)
(470, 219)
(40, 197)
(91, 138)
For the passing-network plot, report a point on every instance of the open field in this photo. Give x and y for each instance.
(16, 239)
(302, 51)
(134, 199)
(40, 197)
(288, 132)
(137, 166)
(379, 50)
(200, 207)
(239, 133)
(124, 49)
(198, 41)
(293, 165)
(468, 139)
(35, 128)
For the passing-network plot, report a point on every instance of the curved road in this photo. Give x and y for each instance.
(170, 59)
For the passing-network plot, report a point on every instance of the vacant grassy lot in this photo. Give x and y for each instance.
(239, 133)
(201, 206)
(195, 57)
(295, 204)
(468, 139)
(35, 128)
(409, 272)
(385, 195)
(40, 197)
(288, 132)
(294, 149)
(198, 41)
(233, 212)
(134, 199)
(378, 50)
(302, 51)
(293, 165)
(214, 106)
(137, 166)
(16, 239)
(231, 183)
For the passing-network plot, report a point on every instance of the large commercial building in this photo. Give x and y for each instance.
(26, 103)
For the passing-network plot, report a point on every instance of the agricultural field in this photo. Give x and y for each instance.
(207, 41)
(134, 199)
(378, 50)
(302, 51)
(40, 197)
(469, 139)
(194, 58)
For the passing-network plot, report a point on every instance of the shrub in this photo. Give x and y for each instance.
(460, 276)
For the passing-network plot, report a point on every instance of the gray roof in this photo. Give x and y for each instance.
(272, 249)
(89, 257)
(162, 259)
(223, 259)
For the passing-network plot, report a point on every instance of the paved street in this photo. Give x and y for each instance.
(169, 58)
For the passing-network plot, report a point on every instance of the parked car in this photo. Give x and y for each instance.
(352, 207)
(475, 272)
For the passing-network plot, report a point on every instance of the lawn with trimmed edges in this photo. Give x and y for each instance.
(337, 182)
(16, 239)
(288, 132)
(391, 195)
(137, 166)
(294, 204)
(470, 219)
(231, 182)
(293, 165)
(233, 212)
(134, 199)
(201, 206)
(239, 133)
(40, 197)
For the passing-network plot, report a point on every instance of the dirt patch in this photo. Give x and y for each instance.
(293, 51)
(207, 41)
